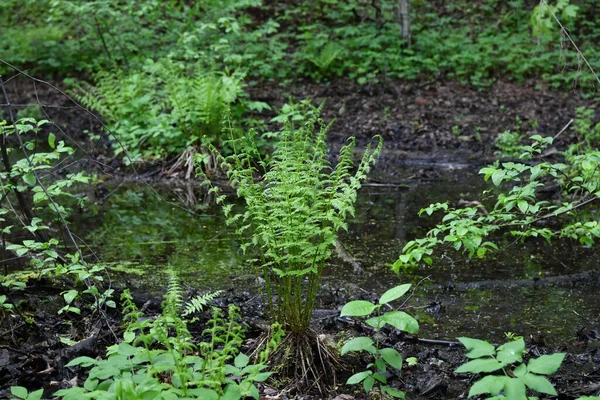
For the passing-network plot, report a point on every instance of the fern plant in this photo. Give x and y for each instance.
(163, 108)
(294, 212)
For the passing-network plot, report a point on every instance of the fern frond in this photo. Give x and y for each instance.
(174, 294)
(197, 303)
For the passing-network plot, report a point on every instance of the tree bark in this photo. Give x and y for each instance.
(404, 18)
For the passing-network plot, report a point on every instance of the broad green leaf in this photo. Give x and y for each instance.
(523, 206)
(263, 376)
(380, 378)
(477, 348)
(70, 295)
(357, 308)
(515, 390)
(128, 336)
(375, 322)
(368, 383)
(126, 349)
(539, 383)
(90, 384)
(398, 394)
(19, 391)
(29, 179)
(520, 371)
(492, 384)
(392, 357)
(394, 293)
(547, 364)
(52, 140)
(497, 177)
(380, 364)
(359, 344)
(241, 360)
(83, 361)
(479, 365)
(511, 352)
(358, 377)
(37, 395)
(402, 321)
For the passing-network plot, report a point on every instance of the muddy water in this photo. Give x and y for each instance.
(142, 235)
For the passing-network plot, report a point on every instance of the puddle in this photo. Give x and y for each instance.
(135, 230)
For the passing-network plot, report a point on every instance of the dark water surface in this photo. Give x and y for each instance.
(142, 235)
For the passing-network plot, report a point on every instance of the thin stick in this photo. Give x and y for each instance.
(566, 33)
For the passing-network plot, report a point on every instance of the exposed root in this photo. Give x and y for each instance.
(307, 362)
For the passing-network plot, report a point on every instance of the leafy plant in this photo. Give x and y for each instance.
(294, 213)
(22, 393)
(508, 143)
(26, 175)
(517, 375)
(382, 357)
(517, 210)
(163, 108)
(159, 359)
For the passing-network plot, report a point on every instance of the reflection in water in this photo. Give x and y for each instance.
(137, 227)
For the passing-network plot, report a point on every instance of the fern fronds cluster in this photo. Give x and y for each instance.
(296, 210)
(162, 108)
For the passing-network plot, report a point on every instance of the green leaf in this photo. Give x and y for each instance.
(515, 390)
(523, 206)
(358, 377)
(52, 140)
(492, 384)
(83, 361)
(398, 394)
(263, 376)
(357, 308)
(368, 383)
(477, 348)
(520, 371)
(412, 361)
(70, 295)
(394, 293)
(547, 364)
(19, 391)
(511, 352)
(37, 395)
(497, 177)
(361, 343)
(479, 365)
(29, 179)
(402, 321)
(241, 360)
(380, 377)
(392, 357)
(539, 383)
(375, 322)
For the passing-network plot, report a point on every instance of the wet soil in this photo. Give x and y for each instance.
(435, 125)
(33, 356)
(417, 120)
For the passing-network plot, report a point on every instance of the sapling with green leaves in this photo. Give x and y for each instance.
(519, 210)
(382, 357)
(517, 376)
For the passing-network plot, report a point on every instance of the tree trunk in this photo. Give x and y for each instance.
(404, 18)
